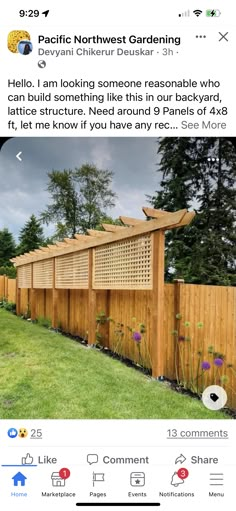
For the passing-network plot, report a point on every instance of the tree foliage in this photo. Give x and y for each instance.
(7, 247)
(63, 209)
(200, 174)
(9, 271)
(79, 199)
(31, 236)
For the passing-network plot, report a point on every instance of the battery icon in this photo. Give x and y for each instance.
(213, 13)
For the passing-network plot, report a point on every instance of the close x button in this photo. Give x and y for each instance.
(223, 37)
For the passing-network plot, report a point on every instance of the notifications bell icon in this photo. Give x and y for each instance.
(175, 480)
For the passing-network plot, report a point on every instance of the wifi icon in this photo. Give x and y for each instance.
(197, 12)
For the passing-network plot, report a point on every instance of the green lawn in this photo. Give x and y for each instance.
(47, 376)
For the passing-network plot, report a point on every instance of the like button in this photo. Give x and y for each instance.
(28, 460)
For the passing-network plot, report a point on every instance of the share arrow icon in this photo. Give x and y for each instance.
(180, 459)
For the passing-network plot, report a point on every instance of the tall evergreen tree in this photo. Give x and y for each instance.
(31, 236)
(175, 192)
(7, 247)
(63, 210)
(199, 173)
(80, 199)
(96, 195)
(215, 244)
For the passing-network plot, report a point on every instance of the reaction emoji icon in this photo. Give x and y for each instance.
(23, 433)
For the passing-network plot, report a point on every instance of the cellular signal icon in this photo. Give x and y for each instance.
(184, 14)
(197, 12)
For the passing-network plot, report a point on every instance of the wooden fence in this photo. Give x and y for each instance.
(7, 288)
(119, 272)
(208, 317)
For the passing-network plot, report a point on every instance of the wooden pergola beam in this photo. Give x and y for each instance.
(158, 213)
(186, 220)
(113, 228)
(81, 237)
(16, 258)
(154, 213)
(61, 244)
(94, 232)
(143, 227)
(21, 261)
(71, 241)
(24, 256)
(52, 247)
(130, 221)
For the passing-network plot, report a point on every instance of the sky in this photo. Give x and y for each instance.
(23, 185)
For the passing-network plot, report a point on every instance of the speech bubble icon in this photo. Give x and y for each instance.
(92, 458)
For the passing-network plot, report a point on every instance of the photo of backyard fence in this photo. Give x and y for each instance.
(108, 288)
(118, 278)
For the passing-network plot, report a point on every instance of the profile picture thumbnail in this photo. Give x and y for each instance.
(25, 47)
(19, 41)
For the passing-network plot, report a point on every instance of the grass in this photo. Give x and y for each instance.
(44, 375)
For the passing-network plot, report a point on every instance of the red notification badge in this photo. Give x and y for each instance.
(183, 473)
(64, 473)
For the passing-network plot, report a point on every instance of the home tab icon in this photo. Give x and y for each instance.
(19, 478)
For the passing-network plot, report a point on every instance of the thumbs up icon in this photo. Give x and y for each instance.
(28, 460)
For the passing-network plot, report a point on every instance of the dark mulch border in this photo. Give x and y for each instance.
(107, 351)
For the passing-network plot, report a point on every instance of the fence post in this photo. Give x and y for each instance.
(107, 332)
(158, 296)
(32, 295)
(54, 296)
(178, 310)
(91, 303)
(44, 303)
(6, 287)
(18, 295)
(68, 310)
(178, 283)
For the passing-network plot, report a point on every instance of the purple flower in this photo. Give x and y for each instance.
(137, 336)
(218, 362)
(205, 365)
(181, 338)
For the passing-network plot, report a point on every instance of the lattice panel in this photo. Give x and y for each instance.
(124, 264)
(72, 271)
(24, 276)
(43, 274)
